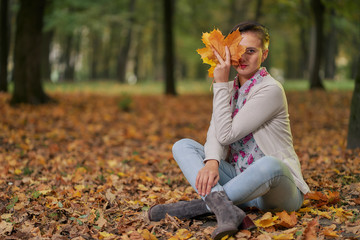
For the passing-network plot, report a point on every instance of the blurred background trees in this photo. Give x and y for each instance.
(124, 40)
(132, 41)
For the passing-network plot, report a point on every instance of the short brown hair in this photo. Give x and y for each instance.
(252, 26)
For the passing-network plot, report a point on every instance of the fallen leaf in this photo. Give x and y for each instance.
(311, 229)
(283, 236)
(267, 220)
(287, 220)
(147, 235)
(329, 231)
(263, 237)
(5, 227)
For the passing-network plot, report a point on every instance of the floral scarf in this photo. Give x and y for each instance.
(245, 151)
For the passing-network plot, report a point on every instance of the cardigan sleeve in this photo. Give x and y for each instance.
(261, 106)
(213, 149)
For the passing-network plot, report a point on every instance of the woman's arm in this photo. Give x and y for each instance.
(213, 149)
(259, 108)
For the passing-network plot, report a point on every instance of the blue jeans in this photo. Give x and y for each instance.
(266, 184)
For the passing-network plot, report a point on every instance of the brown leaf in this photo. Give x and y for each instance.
(5, 227)
(287, 220)
(311, 229)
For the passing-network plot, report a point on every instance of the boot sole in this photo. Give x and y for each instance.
(228, 233)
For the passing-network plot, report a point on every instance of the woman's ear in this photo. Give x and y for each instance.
(264, 55)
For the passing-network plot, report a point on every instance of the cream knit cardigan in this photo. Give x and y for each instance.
(265, 114)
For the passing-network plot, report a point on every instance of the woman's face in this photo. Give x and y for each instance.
(253, 57)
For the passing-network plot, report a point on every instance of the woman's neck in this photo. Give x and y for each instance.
(242, 80)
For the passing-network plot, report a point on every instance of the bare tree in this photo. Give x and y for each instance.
(353, 139)
(169, 47)
(124, 52)
(318, 10)
(27, 54)
(4, 44)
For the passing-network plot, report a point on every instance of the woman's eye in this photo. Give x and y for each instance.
(250, 51)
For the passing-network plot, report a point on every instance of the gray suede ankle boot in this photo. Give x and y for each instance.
(228, 216)
(181, 210)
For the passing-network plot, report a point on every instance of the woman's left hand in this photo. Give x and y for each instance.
(222, 69)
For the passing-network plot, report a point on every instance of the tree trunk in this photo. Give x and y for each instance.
(304, 41)
(258, 13)
(169, 47)
(46, 49)
(353, 140)
(331, 48)
(47, 40)
(354, 62)
(156, 54)
(108, 49)
(4, 44)
(317, 9)
(68, 59)
(239, 12)
(95, 43)
(27, 54)
(290, 65)
(124, 52)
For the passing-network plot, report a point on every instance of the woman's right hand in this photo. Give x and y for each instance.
(207, 177)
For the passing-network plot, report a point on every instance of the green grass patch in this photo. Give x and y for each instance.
(182, 86)
(331, 85)
(116, 88)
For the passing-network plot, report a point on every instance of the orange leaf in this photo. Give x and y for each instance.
(310, 231)
(287, 220)
(329, 231)
(216, 40)
(236, 50)
(333, 197)
(316, 196)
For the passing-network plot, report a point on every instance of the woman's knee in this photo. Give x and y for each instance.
(182, 144)
(271, 164)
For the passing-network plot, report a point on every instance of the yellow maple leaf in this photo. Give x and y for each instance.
(283, 236)
(341, 214)
(216, 40)
(306, 209)
(329, 231)
(141, 187)
(183, 234)
(147, 235)
(267, 220)
(320, 213)
(105, 235)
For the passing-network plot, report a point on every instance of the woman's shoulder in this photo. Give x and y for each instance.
(268, 83)
(269, 88)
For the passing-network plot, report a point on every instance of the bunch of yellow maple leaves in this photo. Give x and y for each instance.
(215, 40)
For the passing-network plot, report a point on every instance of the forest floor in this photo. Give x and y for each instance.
(90, 166)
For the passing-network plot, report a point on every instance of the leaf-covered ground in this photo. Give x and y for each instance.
(90, 166)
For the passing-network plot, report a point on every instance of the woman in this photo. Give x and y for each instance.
(248, 159)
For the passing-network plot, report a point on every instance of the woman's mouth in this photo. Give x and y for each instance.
(242, 66)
